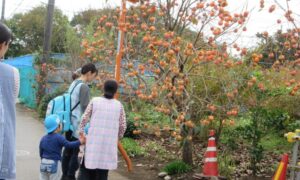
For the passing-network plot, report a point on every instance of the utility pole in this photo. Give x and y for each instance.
(46, 50)
(48, 31)
(3, 11)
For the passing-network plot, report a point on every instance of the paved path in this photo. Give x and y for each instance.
(29, 132)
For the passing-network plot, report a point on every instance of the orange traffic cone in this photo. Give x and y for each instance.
(281, 170)
(210, 162)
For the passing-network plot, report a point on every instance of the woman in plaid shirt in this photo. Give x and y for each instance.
(107, 125)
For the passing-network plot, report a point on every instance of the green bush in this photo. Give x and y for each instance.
(292, 126)
(230, 138)
(42, 107)
(233, 135)
(95, 91)
(132, 148)
(275, 119)
(177, 167)
(129, 130)
(147, 114)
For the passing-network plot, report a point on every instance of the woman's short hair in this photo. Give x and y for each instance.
(90, 67)
(5, 34)
(110, 88)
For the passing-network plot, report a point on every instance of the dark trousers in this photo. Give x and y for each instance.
(92, 174)
(70, 162)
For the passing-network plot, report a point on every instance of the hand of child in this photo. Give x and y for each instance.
(82, 138)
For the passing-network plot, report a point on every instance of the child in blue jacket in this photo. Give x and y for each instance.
(51, 147)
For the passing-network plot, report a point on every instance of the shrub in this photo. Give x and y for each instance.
(177, 167)
(233, 135)
(293, 126)
(95, 91)
(129, 130)
(147, 115)
(275, 119)
(230, 138)
(132, 148)
(42, 107)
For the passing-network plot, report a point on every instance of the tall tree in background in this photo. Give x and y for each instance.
(278, 48)
(28, 31)
(84, 18)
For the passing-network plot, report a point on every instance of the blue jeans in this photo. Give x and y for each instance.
(55, 176)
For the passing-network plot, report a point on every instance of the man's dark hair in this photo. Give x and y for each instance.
(5, 34)
(90, 67)
(110, 89)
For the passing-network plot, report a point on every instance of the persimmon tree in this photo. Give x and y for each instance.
(174, 58)
(167, 43)
(283, 46)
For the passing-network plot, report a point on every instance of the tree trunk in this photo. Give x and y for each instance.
(218, 133)
(187, 152)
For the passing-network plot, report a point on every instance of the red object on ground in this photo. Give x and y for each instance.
(282, 168)
(210, 168)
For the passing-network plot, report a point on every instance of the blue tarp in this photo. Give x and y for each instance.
(21, 61)
(28, 84)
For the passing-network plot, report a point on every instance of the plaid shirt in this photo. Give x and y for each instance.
(107, 126)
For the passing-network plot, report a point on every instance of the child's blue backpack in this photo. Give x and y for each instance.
(63, 107)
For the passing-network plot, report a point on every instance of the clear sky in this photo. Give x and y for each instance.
(260, 20)
(263, 20)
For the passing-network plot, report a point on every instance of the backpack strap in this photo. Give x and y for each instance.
(53, 106)
(75, 106)
(77, 83)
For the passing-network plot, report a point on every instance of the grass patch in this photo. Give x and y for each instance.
(226, 165)
(275, 143)
(160, 153)
(177, 167)
(132, 148)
